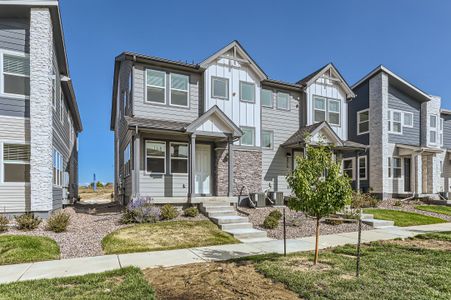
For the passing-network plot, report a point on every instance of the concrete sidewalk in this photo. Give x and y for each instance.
(86, 265)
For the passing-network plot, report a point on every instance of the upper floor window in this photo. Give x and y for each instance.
(283, 101)
(267, 139)
(16, 75)
(408, 119)
(394, 121)
(433, 129)
(266, 98)
(156, 86)
(441, 131)
(220, 87)
(127, 160)
(58, 163)
(363, 121)
(327, 110)
(247, 92)
(16, 163)
(179, 158)
(179, 90)
(248, 137)
(62, 106)
(156, 157)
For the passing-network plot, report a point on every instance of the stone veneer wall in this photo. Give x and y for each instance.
(221, 169)
(247, 170)
(41, 54)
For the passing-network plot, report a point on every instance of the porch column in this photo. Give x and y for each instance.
(192, 167)
(357, 173)
(230, 166)
(418, 166)
(136, 162)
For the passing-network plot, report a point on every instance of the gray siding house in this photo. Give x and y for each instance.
(39, 118)
(221, 128)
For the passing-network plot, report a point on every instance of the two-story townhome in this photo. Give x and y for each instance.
(39, 118)
(404, 128)
(221, 127)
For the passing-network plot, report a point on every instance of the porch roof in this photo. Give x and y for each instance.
(409, 149)
(155, 124)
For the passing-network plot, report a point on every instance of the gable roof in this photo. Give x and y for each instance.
(299, 137)
(397, 78)
(215, 110)
(330, 67)
(237, 50)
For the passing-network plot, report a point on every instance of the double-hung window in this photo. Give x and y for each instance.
(441, 132)
(283, 101)
(127, 154)
(16, 163)
(433, 129)
(319, 109)
(363, 171)
(267, 139)
(348, 167)
(394, 121)
(16, 75)
(155, 157)
(333, 112)
(248, 137)
(363, 121)
(247, 92)
(266, 98)
(220, 88)
(407, 119)
(155, 86)
(396, 167)
(326, 110)
(179, 90)
(179, 158)
(58, 163)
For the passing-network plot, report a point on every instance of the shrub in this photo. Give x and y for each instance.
(363, 200)
(27, 221)
(191, 212)
(270, 222)
(333, 222)
(169, 212)
(58, 222)
(397, 203)
(140, 210)
(276, 214)
(4, 221)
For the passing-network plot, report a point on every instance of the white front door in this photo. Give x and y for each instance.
(203, 169)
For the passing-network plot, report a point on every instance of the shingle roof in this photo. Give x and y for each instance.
(156, 124)
(299, 136)
(310, 76)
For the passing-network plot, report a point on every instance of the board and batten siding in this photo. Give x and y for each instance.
(241, 113)
(14, 197)
(144, 109)
(332, 91)
(14, 37)
(398, 100)
(359, 103)
(283, 124)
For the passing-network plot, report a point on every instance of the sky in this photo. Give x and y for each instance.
(288, 39)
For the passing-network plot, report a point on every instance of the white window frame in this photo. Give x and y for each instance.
(54, 90)
(164, 87)
(241, 91)
(334, 112)
(442, 122)
(171, 89)
(360, 122)
(288, 100)
(400, 167)
(2, 83)
(159, 157)
(365, 157)
(390, 120)
(71, 137)
(272, 97)
(2, 162)
(352, 159)
(253, 136)
(213, 78)
(127, 152)
(389, 167)
(177, 158)
(58, 164)
(434, 129)
(319, 109)
(271, 135)
(404, 119)
(326, 109)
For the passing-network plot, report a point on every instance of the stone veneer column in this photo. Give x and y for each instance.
(247, 170)
(378, 103)
(41, 57)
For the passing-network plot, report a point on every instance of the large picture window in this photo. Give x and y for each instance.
(220, 87)
(16, 75)
(325, 109)
(179, 90)
(156, 86)
(179, 158)
(155, 157)
(16, 163)
(363, 121)
(248, 137)
(247, 92)
(58, 163)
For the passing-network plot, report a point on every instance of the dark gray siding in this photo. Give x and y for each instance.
(364, 184)
(446, 131)
(400, 101)
(14, 36)
(360, 102)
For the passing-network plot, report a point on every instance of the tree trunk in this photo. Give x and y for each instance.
(316, 242)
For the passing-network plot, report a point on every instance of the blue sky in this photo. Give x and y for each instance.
(288, 39)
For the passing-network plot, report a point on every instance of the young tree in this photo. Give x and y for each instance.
(318, 186)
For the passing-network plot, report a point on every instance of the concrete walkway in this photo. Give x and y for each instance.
(86, 265)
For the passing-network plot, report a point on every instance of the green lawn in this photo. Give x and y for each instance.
(394, 270)
(16, 249)
(403, 218)
(440, 209)
(127, 283)
(165, 236)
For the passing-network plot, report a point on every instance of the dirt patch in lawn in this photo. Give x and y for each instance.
(302, 264)
(215, 281)
(427, 244)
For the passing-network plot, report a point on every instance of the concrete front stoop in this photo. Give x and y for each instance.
(376, 223)
(226, 217)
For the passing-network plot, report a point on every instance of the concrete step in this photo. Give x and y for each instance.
(229, 220)
(216, 208)
(256, 240)
(213, 213)
(367, 216)
(247, 233)
(375, 223)
(235, 226)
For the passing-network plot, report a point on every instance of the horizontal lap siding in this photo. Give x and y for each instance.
(447, 131)
(14, 36)
(163, 185)
(283, 124)
(400, 101)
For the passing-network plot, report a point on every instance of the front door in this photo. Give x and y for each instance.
(407, 187)
(203, 170)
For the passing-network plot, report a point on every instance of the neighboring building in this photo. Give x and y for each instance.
(407, 133)
(221, 127)
(39, 118)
